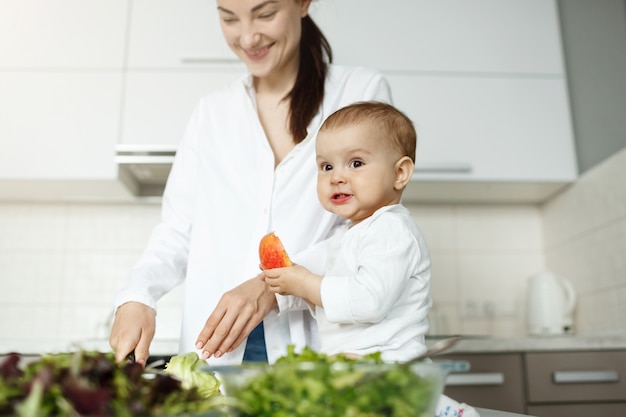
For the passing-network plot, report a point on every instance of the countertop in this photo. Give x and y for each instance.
(487, 344)
(467, 344)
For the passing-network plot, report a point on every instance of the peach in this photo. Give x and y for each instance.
(272, 252)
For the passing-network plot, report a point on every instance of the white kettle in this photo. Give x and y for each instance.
(551, 300)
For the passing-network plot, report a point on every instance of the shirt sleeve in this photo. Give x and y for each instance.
(163, 263)
(385, 259)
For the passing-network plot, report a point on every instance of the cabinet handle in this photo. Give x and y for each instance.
(577, 377)
(476, 378)
(208, 60)
(443, 168)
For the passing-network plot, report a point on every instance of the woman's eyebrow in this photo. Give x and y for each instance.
(254, 9)
(262, 5)
(221, 9)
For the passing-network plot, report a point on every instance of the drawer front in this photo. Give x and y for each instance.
(494, 381)
(577, 410)
(576, 376)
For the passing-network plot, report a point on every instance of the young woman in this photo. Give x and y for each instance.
(246, 166)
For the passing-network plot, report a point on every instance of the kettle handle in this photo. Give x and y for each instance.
(570, 295)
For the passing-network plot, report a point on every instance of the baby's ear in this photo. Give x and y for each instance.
(404, 171)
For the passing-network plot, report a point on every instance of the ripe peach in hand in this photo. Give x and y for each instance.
(272, 252)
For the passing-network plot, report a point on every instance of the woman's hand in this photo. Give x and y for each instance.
(133, 329)
(237, 313)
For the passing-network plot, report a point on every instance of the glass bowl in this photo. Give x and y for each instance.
(340, 389)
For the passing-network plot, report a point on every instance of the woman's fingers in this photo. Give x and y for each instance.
(237, 313)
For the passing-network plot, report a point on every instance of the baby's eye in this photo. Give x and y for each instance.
(326, 167)
(356, 163)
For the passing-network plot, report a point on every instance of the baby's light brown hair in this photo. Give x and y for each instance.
(396, 128)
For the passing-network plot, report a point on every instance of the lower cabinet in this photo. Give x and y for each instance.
(543, 384)
(576, 384)
(494, 380)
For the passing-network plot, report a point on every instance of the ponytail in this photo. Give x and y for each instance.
(308, 91)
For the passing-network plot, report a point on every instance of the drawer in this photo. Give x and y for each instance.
(576, 376)
(577, 410)
(493, 381)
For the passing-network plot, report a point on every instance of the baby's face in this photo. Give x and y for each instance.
(356, 171)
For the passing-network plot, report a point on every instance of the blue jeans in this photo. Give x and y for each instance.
(255, 346)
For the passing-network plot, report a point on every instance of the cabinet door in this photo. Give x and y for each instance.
(62, 33)
(559, 377)
(488, 128)
(494, 381)
(577, 410)
(157, 105)
(176, 34)
(514, 36)
(58, 125)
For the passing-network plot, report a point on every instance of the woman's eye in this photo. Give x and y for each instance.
(268, 15)
(356, 164)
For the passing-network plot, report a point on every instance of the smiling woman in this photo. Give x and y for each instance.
(244, 168)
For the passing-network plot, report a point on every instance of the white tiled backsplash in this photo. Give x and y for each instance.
(60, 264)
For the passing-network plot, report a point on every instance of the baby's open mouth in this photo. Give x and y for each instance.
(338, 197)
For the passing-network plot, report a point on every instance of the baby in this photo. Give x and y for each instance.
(373, 295)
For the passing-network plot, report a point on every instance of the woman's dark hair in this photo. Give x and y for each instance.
(308, 91)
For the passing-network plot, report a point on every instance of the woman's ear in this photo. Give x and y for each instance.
(304, 7)
(404, 171)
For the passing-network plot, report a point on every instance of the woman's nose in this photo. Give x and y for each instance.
(249, 36)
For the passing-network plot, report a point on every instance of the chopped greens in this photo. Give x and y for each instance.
(310, 384)
(93, 384)
(186, 368)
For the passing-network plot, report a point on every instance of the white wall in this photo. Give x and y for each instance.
(60, 264)
(585, 240)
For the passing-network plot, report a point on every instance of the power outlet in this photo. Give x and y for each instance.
(486, 308)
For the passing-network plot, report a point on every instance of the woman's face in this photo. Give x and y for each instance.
(265, 34)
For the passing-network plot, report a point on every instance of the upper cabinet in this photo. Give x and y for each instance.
(176, 34)
(484, 83)
(77, 34)
(61, 80)
(456, 36)
(176, 55)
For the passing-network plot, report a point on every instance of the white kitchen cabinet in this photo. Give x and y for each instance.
(176, 34)
(488, 128)
(176, 55)
(483, 81)
(58, 125)
(62, 33)
(58, 131)
(457, 36)
(158, 105)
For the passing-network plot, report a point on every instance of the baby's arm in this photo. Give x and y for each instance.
(295, 280)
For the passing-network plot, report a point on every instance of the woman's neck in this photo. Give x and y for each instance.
(280, 82)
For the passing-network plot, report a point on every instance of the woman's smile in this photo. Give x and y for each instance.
(257, 53)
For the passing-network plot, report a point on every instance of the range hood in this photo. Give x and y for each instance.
(144, 168)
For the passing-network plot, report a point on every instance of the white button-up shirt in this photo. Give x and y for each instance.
(375, 288)
(224, 193)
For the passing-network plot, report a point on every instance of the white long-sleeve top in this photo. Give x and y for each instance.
(224, 193)
(375, 288)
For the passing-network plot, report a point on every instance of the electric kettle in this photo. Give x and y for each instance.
(551, 300)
